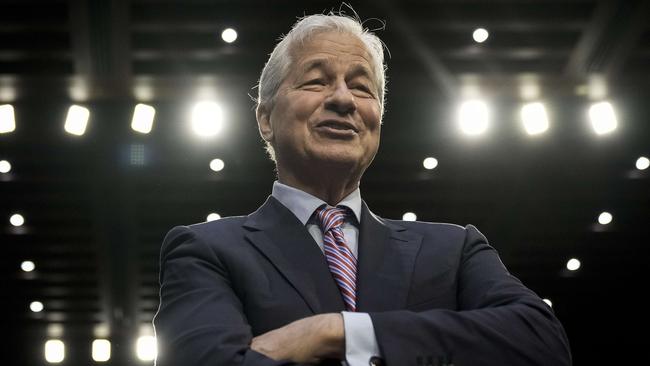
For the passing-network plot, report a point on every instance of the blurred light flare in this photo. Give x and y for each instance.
(642, 163)
(207, 118)
(54, 351)
(534, 118)
(409, 216)
(36, 306)
(548, 302)
(17, 220)
(146, 348)
(143, 116)
(573, 264)
(430, 163)
(603, 118)
(77, 120)
(229, 35)
(5, 166)
(480, 35)
(217, 165)
(101, 350)
(7, 118)
(213, 216)
(473, 117)
(605, 218)
(27, 266)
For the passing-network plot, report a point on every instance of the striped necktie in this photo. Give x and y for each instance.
(341, 261)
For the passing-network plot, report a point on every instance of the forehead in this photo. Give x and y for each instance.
(337, 47)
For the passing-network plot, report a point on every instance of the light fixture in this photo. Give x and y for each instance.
(409, 216)
(36, 306)
(77, 120)
(207, 118)
(17, 220)
(229, 35)
(480, 35)
(54, 351)
(146, 348)
(143, 116)
(213, 216)
(548, 302)
(534, 118)
(430, 163)
(573, 264)
(5, 166)
(27, 266)
(473, 117)
(605, 218)
(217, 165)
(7, 118)
(642, 163)
(101, 350)
(603, 117)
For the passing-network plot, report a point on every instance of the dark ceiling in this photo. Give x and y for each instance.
(95, 219)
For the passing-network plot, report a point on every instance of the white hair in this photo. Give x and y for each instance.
(280, 61)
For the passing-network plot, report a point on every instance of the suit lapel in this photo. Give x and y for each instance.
(286, 243)
(387, 255)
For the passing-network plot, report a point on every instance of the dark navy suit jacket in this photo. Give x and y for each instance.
(436, 293)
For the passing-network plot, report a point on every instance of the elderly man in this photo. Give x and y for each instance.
(313, 276)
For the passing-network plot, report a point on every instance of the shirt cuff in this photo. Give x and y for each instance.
(360, 340)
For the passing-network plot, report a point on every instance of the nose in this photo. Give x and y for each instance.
(341, 100)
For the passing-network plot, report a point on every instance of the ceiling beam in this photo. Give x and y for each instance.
(608, 39)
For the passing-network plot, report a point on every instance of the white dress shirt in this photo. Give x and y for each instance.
(360, 340)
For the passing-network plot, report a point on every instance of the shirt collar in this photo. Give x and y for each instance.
(303, 204)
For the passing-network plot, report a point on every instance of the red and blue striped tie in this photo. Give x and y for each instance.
(341, 261)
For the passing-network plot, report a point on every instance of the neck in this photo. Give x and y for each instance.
(331, 188)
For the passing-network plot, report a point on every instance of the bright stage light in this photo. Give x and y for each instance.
(101, 350)
(7, 118)
(213, 216)
(409, 216)
(534, 118)
(36, 306)
(480, 35)
(17, 220)
(54, 351)
(603, 117)
(217, 165)
(473, 117)
(207, 118)
(146, 348)
(642, 163)
(548, 302)
(27, 266)
(229, 35)
(573, 264)
(5, 166)
(430, 163)
(605, 218)
(143, 118)
(77, 120)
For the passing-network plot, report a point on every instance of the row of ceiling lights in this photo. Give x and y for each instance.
(207, 118)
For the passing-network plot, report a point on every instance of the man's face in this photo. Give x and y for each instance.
(326, 111)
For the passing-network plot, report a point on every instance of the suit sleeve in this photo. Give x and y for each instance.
(200, 320)
(499, 321)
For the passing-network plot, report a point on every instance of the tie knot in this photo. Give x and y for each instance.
(331, 218)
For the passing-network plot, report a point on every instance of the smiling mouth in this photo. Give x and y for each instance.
(342, 126)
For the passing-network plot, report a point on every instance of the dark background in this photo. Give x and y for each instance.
(95, 221)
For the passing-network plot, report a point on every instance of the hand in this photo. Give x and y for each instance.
(308, 340)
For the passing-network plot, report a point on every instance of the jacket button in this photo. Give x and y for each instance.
(376, 361)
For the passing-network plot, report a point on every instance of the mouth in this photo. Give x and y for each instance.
(337, 126)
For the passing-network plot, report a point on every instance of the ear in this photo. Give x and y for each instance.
(263, 114)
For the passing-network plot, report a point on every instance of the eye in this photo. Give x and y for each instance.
(364, 89)
(318, 81)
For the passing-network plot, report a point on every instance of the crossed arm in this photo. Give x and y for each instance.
(202, 322)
